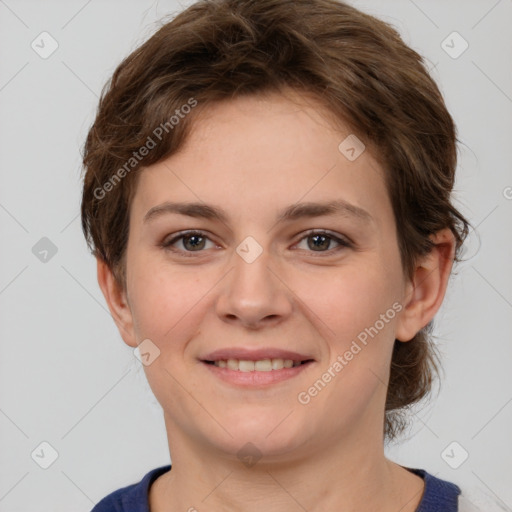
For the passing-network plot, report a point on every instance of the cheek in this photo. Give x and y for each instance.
(166, 305)
(162, 302)
(357, 308)
(347, 302)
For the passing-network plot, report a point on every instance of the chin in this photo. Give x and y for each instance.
(261, 437)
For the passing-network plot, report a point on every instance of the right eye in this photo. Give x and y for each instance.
(192, 241)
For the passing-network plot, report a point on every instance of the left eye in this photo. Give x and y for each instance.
(321, 240)
(194, 241)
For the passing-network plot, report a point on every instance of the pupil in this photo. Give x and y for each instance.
(323, 245)
(194, 245)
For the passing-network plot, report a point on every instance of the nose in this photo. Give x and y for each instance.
(254, 295)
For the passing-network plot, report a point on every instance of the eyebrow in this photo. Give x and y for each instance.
(290, 213)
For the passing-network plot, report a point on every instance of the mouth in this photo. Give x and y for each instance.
(259, 374)
(258, 365)
(255, 368)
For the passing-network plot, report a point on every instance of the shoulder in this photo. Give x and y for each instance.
(443, 496)
(132, 498)
(438, 495)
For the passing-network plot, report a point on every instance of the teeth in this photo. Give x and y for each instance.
(246, 366)
(263, 365)
(232, 364)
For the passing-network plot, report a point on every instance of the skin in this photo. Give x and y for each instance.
(253, 157)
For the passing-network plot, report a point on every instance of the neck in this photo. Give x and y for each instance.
(353, 473)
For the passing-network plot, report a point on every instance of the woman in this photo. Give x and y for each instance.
(267, 193)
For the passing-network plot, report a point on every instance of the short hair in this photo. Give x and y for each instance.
(354, 64)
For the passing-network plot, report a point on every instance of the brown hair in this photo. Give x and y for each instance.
(355, 65)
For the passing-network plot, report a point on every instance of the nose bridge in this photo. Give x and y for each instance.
(251, 270)
(252, 292)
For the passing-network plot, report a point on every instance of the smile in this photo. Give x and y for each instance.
(262, 365)
(256, 374)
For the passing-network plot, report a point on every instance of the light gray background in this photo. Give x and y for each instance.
(67, 378)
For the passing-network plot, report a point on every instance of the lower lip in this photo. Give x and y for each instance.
(256, 378)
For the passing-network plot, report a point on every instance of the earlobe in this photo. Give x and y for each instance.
(117, 303)
(424, 294)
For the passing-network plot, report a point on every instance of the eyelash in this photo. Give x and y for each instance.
(343, 243)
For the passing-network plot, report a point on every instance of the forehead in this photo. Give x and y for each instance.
(262, 153)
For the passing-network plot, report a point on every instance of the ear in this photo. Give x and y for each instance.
(424, 294)
(117, 302)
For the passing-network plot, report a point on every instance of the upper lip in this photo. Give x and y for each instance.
(254, 355)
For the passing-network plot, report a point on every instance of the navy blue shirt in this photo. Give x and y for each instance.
(439, 495)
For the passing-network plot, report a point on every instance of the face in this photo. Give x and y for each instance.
(249, 275)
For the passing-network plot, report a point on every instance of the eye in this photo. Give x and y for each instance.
(318, 240)
(191, 241)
